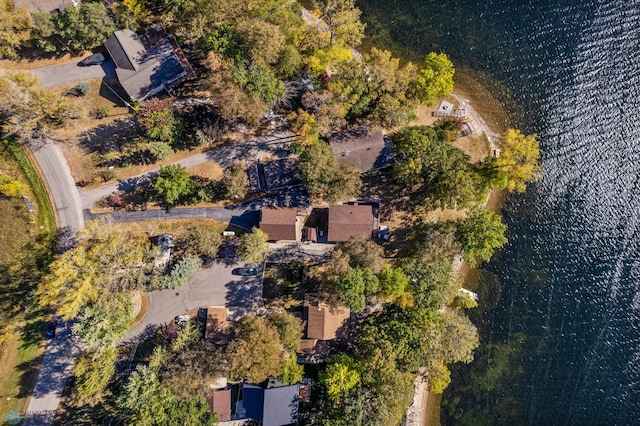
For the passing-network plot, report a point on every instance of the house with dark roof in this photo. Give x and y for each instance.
(147, 65)
(368, 150)
(273, 404)
(281, 224)
(347, 220)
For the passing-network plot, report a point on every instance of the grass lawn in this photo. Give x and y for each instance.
(27, 241)
(18, 372)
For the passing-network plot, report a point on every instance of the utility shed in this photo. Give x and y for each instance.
(220, 402)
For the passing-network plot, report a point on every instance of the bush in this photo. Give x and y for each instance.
(82, 88)
(100, 112)
(181, 272)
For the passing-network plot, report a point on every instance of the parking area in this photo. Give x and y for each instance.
(220, 284)
(70, 72)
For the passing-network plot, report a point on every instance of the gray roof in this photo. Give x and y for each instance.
(45, 6)
(370, 151)
(143, 73)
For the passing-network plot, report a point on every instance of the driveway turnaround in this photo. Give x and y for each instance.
(70, 72)
(216, 285)
(57, 364)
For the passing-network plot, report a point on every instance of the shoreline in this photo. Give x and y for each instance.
(431, 403)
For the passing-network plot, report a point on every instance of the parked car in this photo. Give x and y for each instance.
(228, 234)
(95, 59)
(182, 319)
(247, 271)
(51, 329)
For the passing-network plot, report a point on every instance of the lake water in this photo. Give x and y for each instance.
(561, 343)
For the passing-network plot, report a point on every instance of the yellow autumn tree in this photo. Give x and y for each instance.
(12, 188)
(15, 27)
(70, 285)
(518, 160)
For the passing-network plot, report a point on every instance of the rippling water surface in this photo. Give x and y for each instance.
(562, 344)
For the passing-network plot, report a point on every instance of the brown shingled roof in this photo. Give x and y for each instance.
(322, 319)
(220, 402)
(217, 327)
(347, 221)
(280, 224)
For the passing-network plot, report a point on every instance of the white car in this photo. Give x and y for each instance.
(228, 233)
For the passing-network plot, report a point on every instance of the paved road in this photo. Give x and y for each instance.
(70, 72)
(272, 145)
(244, 215)
(216, 285)
(57, 363)
(63, 191)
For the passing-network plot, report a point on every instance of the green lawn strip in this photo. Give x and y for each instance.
(20, 360)
(45, 212)
(21, 357)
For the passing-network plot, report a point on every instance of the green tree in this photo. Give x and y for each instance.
(343, 21)
(324, 177)
(439, 377)
(393, 282)
(340, 376)
(143, 400)
(15, 25)
(93, 370)
(453, 337)
(192, 370)
(76, 28)
(159, 150)
(289, 328)
(157, 118)
(353, 287)
(518, 160)
(435, 78)
(104, 322)
(174, 185)
(441, 171)
(292, 372)
(480, 234)
(182, 271)
(262, 40)
(188, 336)
(236, 181)
(255, 353)
(253, 246)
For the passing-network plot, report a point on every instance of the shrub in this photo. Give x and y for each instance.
(82, 88)
(100, 112)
